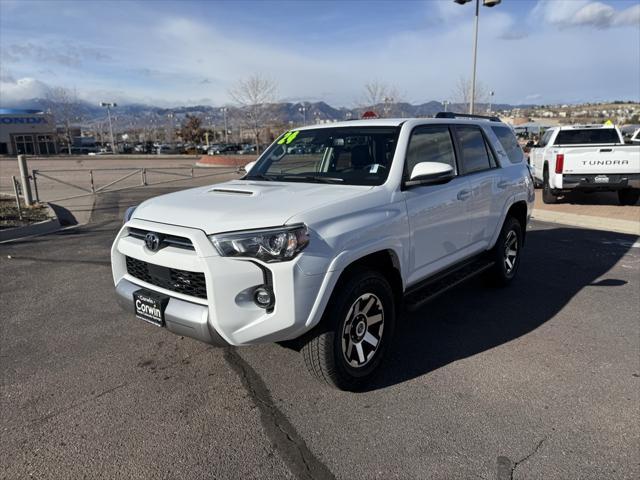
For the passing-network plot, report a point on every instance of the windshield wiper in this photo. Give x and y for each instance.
(261, 176)
(317, 178)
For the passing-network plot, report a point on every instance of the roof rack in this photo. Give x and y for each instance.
(466, 115)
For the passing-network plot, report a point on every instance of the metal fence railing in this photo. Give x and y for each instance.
(91, 187)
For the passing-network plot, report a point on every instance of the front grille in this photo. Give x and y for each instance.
(181, 281)
(165, 240)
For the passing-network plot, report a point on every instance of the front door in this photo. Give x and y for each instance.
(437, 213)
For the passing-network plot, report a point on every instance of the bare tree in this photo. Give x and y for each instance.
(376, 93)
(65, 107)
(461, 95)
(253, 96)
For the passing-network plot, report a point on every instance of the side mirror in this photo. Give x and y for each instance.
(430, 173)
(249, 166)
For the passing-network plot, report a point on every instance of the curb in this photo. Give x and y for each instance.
(33, 230)
(588, 221)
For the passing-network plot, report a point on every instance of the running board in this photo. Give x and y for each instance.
(436, 286)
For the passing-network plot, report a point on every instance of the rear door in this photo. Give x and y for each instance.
(537, 155)
(479, 166)
(437, 213)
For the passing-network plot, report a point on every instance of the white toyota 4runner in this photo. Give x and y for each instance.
(330, 232)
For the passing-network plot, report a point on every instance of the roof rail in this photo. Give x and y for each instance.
(466, 115)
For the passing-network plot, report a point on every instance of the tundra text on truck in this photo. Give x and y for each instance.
(330, 232)
(589, 158)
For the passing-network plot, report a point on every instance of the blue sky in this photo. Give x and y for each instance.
(169, 53)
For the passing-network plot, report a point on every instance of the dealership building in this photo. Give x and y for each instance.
(30, 132)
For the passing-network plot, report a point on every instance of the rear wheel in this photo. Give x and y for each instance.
(629, 196)
(548, 194)
(356, 330)
(506, 252)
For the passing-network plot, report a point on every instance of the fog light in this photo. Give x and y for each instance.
(263, 297)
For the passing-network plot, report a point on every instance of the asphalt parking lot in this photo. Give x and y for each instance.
(540, 380)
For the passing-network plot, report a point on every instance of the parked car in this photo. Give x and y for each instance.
(248, 150)
(224, 149)
(323, 255)
(586, 158)
(167, 149)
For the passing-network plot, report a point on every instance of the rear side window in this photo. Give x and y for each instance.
(475, 157)
(586, 136)
(509, 143)
(430, 144)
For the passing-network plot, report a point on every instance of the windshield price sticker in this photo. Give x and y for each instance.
(288, 137)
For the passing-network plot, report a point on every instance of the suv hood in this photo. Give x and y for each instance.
(242, 205)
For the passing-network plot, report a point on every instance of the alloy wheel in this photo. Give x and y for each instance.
(362, 332)
(510, 252)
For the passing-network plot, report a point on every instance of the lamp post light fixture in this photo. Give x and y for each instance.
(109, 106)
(224, 111)
(486, 3)
(303, 111)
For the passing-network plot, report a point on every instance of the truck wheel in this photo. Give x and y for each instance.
(356, 330)
(548, 195)
(629, 196)
(506, 253)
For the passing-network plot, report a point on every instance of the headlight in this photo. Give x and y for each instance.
(129, 213)
(269, 245)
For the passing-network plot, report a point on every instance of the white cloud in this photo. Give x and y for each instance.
(585, 13)
(13, 91)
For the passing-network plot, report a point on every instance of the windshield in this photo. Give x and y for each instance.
(343, 155)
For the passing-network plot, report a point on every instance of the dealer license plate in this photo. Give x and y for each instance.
(601, 179)
(150, 306)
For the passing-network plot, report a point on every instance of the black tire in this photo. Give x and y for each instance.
(506, 264)
(548, 194)
(364, 297)
(629, 196)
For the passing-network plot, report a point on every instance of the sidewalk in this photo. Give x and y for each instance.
(599, 211)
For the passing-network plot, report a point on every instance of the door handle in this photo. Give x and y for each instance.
(463, 194)
(503, 184)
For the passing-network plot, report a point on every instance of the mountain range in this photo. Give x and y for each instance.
(148, 116)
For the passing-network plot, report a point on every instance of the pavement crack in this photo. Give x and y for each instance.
(77, 404)
(507, 468)
(286, 440)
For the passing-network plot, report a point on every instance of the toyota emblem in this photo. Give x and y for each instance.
(152, 241)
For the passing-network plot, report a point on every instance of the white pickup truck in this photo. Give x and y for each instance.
(327, 235)
(587, 158)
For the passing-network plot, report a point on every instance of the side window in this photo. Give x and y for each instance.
(509, 143)
(545, 138)
(430, 144)
(475, 157)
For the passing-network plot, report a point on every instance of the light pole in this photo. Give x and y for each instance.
(109, 106)
(491, 93)
(486, 3)
(224, 111)
(303, 110)
(445, 104)
(387, 105)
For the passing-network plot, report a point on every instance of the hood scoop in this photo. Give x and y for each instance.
(231, 191)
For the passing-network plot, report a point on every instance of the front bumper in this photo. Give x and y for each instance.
(228, 315)
(181, 317)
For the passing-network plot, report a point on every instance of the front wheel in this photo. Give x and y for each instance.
(356, 330)
(629, 196)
